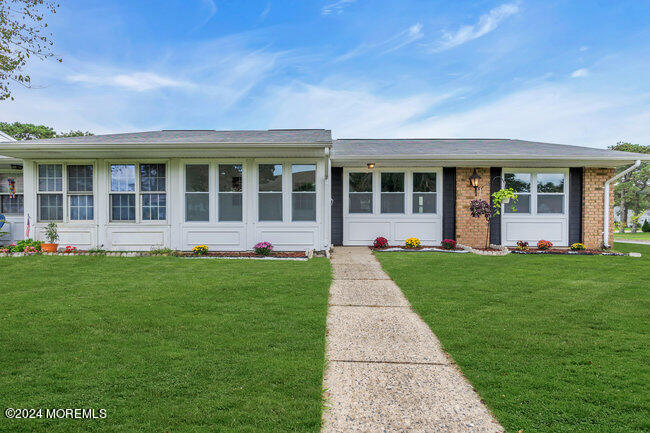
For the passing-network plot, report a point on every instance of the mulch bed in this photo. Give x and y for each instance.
(567, 252)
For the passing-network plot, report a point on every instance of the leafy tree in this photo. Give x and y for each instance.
(29, 131)
(78, 133)
(632, 192)
(23, 35)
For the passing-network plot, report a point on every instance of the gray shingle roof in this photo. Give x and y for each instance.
(468, 148)
(200, 136)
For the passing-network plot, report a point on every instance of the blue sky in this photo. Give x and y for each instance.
(574, 72)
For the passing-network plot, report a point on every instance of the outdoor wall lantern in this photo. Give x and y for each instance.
(473, 181)
(371, 165)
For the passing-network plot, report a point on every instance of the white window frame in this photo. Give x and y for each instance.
(402, 193)
(14, 173)
(287, 190)
(69, 194)
(376, 192)
(213, 189)
(218, 192)
(138, 192)
(371, 192)
(305, 192)
(436, 193)
(209, 192)
(64, 190)
(533, 192)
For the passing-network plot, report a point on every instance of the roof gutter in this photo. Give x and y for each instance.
(458, 157)
(634, 166)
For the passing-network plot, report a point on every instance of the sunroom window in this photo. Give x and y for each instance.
(270, 192)
(360, 193)
(520, 183)
(80, 192)
(230, 192)
(197, 192)
(152, 191)
(550, 193)
(50, 192)
(424, 193)
(122, 196)
(9, 205)
(303, 197)
(392, 192)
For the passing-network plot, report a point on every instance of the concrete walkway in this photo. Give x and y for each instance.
(632, 241)
(386, 370)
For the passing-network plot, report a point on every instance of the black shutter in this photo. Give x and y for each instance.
(575, 205)
(449, 203)
(495, 221)
(337, 206)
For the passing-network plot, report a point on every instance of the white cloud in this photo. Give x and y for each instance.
(394, 43)
(551, 113)
(265, 12)
(350, 113)
(485, 25)
(582, 72)
(210, 8)
(136, 81)
(336, 7)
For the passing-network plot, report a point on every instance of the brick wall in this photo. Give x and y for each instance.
(470, 231)
(593, 199)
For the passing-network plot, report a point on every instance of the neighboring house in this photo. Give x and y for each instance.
(299, 189)
(11, 208)
(645, 216)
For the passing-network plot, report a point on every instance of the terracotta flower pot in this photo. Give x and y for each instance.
(49, 248)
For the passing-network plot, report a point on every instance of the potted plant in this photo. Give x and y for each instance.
(52, 235)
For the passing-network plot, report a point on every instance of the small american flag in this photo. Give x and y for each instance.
(27, 228)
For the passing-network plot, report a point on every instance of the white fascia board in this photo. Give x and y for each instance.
(487, 160)
(154, 149)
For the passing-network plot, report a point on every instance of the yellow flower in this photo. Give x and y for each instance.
(412, 243)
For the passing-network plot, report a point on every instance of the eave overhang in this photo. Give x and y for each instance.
(24, 150)
(483, 160)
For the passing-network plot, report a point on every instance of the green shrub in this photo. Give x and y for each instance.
(646, 226)
(22, 245)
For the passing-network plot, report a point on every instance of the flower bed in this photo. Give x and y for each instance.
(277, 254)
(214, 254)
(567, 252)
(423, 248)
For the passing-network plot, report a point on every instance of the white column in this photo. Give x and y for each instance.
(175, 203)
(102, 206)
(29, 196)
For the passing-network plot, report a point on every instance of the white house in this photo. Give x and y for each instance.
(11, 205)
(299, 189)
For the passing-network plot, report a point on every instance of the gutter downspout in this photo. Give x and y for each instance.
(636, 164)
(327, 163)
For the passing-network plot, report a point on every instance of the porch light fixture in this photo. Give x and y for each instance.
(371, 165)
(473, 181)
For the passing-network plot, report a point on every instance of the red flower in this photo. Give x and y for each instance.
(381, 242)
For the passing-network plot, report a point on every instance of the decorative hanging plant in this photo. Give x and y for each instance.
(480, 208)
(504, 196)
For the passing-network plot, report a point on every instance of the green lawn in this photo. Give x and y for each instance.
(551, 343)
(164, 344)
(645, 236)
